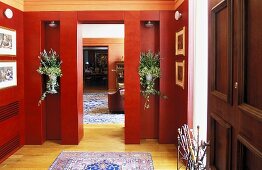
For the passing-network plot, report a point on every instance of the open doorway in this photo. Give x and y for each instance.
(103, 51)
(95, 69)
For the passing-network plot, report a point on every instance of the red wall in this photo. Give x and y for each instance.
(181, 95)
(69, 103)
(52, 110)
(150, 40)
(167, 80)
(132, 86)
(35, 41)
(70, 129)
(172, 111)
(115, 53)
(13, 126)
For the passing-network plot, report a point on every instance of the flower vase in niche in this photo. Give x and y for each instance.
(149, 71)
(149, 77)
(50, 66)
(53, 82)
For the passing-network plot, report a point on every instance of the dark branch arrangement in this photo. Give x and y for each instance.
(191, 151)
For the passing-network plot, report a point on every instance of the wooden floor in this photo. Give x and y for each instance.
(96, 138)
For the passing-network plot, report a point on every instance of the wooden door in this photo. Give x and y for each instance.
(235, 84)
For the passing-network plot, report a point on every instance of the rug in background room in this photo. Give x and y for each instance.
(96, 110)
(103, 161)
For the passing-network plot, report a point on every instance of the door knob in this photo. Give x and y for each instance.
(235, 85)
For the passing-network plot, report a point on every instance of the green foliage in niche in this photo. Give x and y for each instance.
(149, 71)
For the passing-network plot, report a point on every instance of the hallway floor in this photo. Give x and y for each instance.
(96, 109)
(96, 138)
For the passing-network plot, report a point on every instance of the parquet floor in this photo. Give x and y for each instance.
(96, 138)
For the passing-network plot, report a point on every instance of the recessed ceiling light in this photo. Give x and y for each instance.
(52, 24)
(149, 24)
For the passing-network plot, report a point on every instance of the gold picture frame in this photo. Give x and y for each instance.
(180, 42)
(180, 73)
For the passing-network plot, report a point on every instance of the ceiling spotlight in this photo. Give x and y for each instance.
(178, 15)
(149, 24)
(8, 13)
(52, 24)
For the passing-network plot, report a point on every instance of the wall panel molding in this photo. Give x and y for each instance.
(178, 3)
(221, 137)
(245, 146)
(80, 5)
(102, 41)
(222, 50)
(18, 4)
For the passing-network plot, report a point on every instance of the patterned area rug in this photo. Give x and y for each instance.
(103, 161)
(96, 110)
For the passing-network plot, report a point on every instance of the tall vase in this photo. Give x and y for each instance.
(149, 77)
(53, 81)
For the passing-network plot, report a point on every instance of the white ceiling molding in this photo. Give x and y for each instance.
(84, 5)
(18, 4)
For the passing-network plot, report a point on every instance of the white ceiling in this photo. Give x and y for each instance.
(103, 30)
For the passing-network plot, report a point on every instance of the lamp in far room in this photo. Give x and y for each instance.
(8, 13)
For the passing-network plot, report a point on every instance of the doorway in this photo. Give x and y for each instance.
(103, 49)
(95, 71)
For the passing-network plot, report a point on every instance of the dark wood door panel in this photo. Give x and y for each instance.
(221, 50)
(251, 56)
(250, 126)
(249, 157)
(220, 143)
(235, 114)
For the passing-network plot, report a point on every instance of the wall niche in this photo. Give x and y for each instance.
(150, 40)
(50, 39)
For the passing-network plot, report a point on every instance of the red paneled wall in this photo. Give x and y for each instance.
(160, 124)
(167, 52)
(52, 110)
(150, 41)
(132, 86)
(173, 111)
(12, 127)
(61, 115)
(36, 38)
(72, 129)
(181, 95)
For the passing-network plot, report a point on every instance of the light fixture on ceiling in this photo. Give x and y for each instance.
(178, 15)
(52, 24)
(8, 13)
(149, 24)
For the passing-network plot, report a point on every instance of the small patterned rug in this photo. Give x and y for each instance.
(103, 161)
(96, 110)
(96, 103)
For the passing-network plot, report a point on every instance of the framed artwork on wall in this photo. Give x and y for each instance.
(180, 73)
(180, 42)
(8, 74)
(7, 41)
